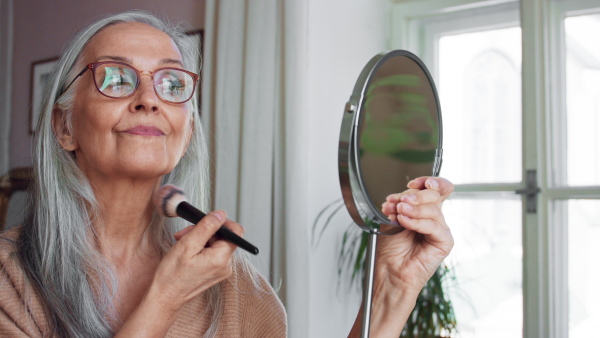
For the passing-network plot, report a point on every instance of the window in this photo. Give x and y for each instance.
(583, 99)
(579, 61)
(518, 84)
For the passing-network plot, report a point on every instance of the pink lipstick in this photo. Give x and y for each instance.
(144, 131)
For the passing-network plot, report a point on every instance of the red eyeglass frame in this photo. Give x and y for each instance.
(93, 65)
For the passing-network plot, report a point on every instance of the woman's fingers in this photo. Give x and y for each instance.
(389, 208)
(235, 227)
(195, 239)
(424, 211)
(395, 198)
(410, 197)
(439, 184)
(218, 243)
(420, 211)
(422, 197)
(202, 240)
(217, 254)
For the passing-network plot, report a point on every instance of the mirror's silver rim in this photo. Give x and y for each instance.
(351, 181)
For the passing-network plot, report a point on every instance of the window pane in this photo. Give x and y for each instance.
(583, 99)
(584, 254)
(487, 261)
(480, 96)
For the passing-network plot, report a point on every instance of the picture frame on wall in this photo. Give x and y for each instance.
(40, 75)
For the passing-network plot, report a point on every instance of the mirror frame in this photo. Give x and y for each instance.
(354, 192)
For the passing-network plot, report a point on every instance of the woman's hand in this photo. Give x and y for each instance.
(408, 259)
(405, 261)
(195, 263)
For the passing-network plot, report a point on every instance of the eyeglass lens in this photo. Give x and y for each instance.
(117, 80)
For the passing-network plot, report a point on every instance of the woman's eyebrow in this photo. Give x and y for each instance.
(129, 61)
(115, 58)
(170, 61)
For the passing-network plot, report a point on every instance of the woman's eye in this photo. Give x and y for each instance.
(116, 79)
(172, 86)
(176, 87)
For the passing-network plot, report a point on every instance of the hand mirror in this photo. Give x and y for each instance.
(391, 134)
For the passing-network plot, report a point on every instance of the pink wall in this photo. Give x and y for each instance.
(43, 27)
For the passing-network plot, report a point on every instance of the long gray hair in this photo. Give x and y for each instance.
(57, 247)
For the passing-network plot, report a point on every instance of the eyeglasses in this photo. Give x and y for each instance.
(119, 80)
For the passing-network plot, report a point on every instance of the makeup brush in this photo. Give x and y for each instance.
(171, 202)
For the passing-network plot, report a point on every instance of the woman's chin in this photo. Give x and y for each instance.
(149, 171)
(139, 170)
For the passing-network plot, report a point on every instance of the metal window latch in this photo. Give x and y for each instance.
(531, 191)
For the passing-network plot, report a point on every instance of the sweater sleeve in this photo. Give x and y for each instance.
(263, 313)
(19, 304)
(8, 327)
(250, 309)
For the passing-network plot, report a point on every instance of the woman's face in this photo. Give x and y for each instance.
(139, 136)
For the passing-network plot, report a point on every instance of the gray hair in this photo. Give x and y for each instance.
(57, 247)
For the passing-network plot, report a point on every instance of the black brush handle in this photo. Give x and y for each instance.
(193, 215)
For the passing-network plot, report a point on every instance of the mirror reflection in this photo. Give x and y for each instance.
(392, 137)
(399, 132)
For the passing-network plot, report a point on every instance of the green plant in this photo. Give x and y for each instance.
(433, 315)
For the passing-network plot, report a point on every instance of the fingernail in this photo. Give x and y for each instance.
(411, 198)
(408, 184)
(218, 215)
(433, 184)
(407, 207)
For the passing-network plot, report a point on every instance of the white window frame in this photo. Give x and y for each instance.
(556, 140)
(545, 241)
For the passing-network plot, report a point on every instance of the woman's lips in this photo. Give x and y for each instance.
(144, 131)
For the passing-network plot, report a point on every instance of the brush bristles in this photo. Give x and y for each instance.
(167, 199)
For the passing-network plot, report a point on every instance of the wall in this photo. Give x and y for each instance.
(43, 27)
(343, 36)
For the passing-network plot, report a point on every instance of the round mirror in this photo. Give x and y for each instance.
(391, 133)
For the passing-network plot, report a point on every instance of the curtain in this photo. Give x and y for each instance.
(6, 24)
(253, 98)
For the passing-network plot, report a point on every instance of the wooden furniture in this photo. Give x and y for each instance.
(17, 179)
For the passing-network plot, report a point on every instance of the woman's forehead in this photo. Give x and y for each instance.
(133, 40)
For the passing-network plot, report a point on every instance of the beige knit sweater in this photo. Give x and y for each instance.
(248, 311)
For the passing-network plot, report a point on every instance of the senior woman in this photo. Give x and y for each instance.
(94, 259)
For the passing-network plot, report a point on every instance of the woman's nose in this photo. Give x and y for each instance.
(145, 98)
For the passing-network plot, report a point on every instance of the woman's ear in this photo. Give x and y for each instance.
(61, 130)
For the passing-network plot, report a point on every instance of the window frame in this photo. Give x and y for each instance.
(545, 233)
